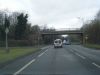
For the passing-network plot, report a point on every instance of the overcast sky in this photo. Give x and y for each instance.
(55, 13)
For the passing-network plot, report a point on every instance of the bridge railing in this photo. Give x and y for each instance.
(69, 29)
(65, 31)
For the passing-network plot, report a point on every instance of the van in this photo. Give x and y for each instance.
(58, 43)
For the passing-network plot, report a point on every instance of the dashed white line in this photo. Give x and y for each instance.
(98, 66)
(80, 55)
(20, 70)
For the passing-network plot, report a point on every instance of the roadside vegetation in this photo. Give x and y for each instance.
(21, 32)
(23, 37)
(94, 46)
(92, 32)
(15, 52)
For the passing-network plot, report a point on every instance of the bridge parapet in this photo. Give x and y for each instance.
(68, 29)
(64, 31)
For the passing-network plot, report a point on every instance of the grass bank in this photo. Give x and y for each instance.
(94, 46)
(15, 52)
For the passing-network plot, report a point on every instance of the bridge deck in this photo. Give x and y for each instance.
(63, 32)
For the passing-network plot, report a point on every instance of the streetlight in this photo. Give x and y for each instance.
(38, 37)
(86, 38)
(82, 20)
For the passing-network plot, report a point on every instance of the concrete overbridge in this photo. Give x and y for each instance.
(62, 32)
(68, 31)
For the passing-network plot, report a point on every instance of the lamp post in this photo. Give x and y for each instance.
(86, 38)
(82, 20)
(38, 37)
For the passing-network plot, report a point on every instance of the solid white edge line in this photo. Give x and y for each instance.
(80, 55)
(16, 73)
(42, 53)
(46, 50)
(71, 50)
(98, 66)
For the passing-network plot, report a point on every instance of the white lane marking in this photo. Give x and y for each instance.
(46, 51)
(98, 66)
(80, 55)
(42, 53)
(71, 50)
(20, 70)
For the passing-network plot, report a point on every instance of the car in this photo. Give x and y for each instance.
(58, 43)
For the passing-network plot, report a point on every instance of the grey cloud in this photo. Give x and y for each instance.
(56, 12)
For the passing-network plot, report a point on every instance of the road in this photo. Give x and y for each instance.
(69, 60)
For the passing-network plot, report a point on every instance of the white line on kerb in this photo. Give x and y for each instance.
(80, 55)
(98, 66)
(16, 73)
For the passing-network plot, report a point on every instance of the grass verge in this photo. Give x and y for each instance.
(15, 52)
(94, 46)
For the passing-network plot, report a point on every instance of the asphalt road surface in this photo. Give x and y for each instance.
(69, 60)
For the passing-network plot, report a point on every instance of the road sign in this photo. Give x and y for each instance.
(6, 31)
